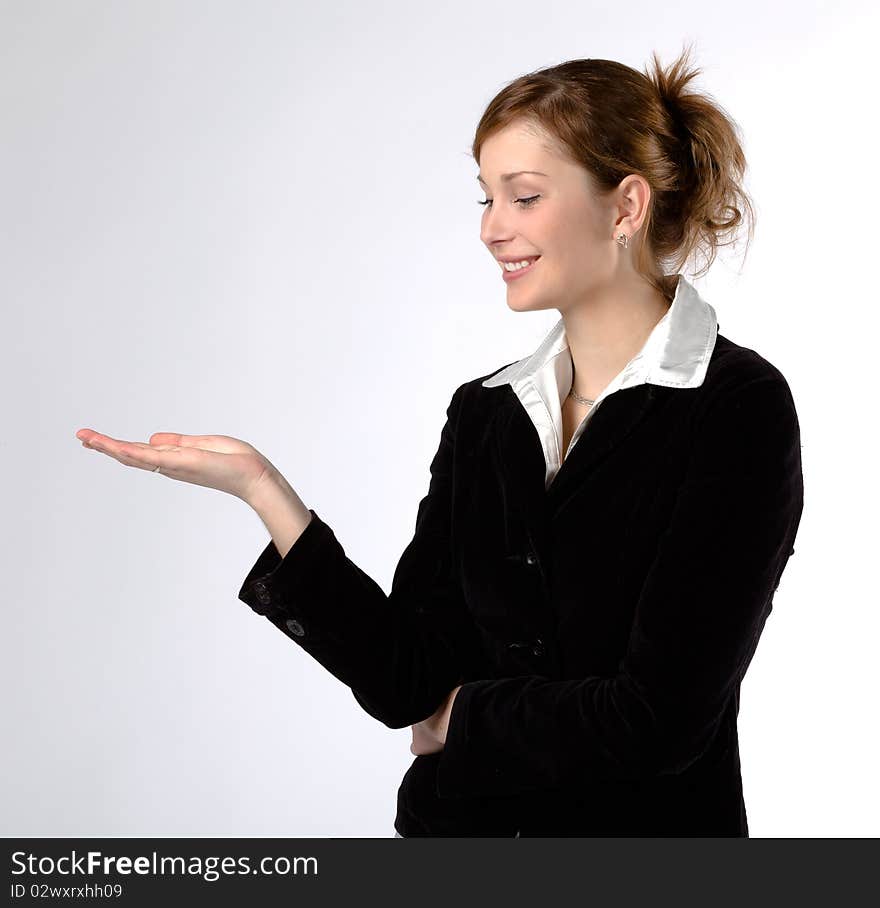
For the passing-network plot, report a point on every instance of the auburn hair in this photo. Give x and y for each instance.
(614, 121)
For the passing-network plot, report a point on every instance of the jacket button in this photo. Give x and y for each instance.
(531, 558)
(295, 627)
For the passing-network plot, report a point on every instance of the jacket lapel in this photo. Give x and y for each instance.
(519, 462)
(617, 417)
(520, 457)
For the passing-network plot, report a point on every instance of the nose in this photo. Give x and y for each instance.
(495, 229)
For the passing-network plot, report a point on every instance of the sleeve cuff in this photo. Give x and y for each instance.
(272, 581)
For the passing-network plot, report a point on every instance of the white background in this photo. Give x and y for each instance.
(258, 219)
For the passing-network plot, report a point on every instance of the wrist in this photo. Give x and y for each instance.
(282, 511)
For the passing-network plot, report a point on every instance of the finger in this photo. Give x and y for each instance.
(98, 442)
(103, 443)
(222, 444)
(111, 445)
(136, 454)
(175, 438)
(86, 435)
(129, 460)
(93, 439)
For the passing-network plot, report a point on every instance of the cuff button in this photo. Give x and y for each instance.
(295, 627)
(263, 594)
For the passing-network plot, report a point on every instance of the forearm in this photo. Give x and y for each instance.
(401, 653)
(282, 511)
(387, 649)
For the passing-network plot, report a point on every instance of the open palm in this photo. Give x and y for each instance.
(214, 461)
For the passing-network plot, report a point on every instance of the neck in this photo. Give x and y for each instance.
(605, 332)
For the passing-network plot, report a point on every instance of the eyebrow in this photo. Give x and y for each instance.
(505, 177)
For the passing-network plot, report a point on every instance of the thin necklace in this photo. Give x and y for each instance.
(583, 400)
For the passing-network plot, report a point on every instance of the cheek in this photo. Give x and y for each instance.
(568, 237)
(576, 234)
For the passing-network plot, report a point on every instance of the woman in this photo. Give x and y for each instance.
(607, 520)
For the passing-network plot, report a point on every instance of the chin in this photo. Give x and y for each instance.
(527, 303)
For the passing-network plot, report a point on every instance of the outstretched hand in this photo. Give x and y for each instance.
(214, 461)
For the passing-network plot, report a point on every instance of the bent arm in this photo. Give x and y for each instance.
(402, 653)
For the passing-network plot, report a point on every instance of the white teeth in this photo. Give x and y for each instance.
(516, 266)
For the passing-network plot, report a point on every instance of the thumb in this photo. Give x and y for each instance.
(223, 444)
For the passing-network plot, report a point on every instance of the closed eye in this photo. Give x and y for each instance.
(525, 203)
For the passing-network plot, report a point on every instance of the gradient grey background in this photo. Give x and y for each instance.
(258, 219)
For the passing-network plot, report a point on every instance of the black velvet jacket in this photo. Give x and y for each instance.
(601, 628)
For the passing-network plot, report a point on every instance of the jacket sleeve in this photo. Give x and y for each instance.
(696, 625)
(401, 654)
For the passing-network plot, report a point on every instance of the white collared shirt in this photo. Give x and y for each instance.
(675, 355)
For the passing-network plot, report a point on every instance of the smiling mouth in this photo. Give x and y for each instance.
(531, 259)
(517, 272)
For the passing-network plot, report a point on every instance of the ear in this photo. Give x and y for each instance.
(633, 199)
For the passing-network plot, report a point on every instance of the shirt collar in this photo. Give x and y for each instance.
(676, 353)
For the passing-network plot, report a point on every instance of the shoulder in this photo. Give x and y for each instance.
(733, 368)
(731, 362)
(746, 394)
(473, 391)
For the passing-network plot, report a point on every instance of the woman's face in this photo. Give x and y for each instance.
(556, 216)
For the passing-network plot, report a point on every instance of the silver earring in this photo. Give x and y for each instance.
(622, 239)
